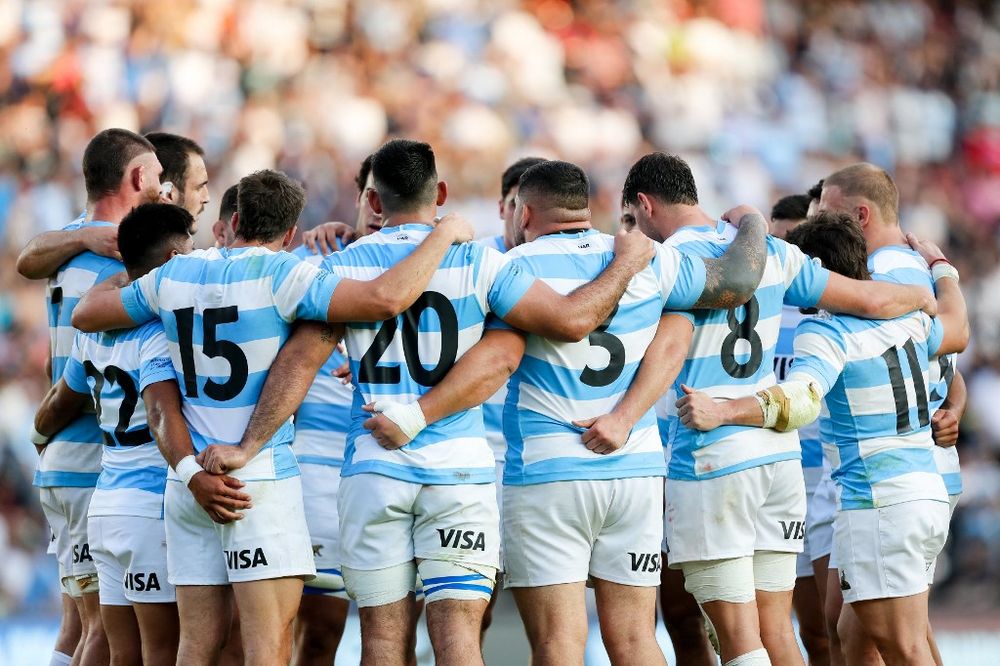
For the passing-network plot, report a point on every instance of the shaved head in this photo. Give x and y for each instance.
(869, 182)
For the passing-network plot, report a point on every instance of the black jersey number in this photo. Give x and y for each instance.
(893, 364)
(212, 347)
(114, 375)
(744, 329)
(373, 373)
(616, 351)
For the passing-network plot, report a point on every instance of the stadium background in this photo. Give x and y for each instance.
(762, 98)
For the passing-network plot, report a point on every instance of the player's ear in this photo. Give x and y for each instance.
(289, 235)
(645, 203)
(136, 178)
(374, 201)
(442, 193)
(864, 215)
(500, 206)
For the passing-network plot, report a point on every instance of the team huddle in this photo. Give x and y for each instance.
(240, 441)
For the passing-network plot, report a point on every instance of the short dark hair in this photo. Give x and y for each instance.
(666, 177)
(228, 205)
(362, 176)
(871, 182)
(836, 240)
(145, 232)
(269, 204)
(173, 151)
(106, 157)
(558, 184)
(815, 191)
(405, 175)
(793, 207)
(512, 174)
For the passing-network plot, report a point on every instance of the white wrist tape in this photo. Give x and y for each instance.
(187, 468)
(790, 405)
(38, 438)
(409, 417)
(944, 270)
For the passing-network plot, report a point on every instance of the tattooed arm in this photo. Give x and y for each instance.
(731, 279)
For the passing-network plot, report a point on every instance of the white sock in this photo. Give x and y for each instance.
(756, 658)
(60, 659)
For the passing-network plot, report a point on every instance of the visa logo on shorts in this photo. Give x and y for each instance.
(462, 539)
(245, 559)
(793, 529)
(142, 582)
(81, 552)
(645, 562)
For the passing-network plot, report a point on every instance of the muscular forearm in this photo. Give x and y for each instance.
(58, 409)
(45, 253)
(658, 370)
(872, 299)
(953, 315)
(731, 279)
(741, 411)
(101, 307)
(957, 396)
(166, 421)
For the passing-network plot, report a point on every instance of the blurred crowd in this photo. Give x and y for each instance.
(762, 98)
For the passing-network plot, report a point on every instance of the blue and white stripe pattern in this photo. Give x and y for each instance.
(115, 368)
(404, 357)
(496, 242)
(560, 382)
(874, 377)
(73, 456)
(473, 582)
(493, 408)
(732, 355)
(226, 313)
(903, 265)
(784, 355)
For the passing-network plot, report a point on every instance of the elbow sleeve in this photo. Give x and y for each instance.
(790, 405)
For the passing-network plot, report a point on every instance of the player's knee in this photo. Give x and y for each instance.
(380, 587)
(730, 580)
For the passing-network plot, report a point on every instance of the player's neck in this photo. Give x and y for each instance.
(879, 235)
(419, 216)
(678, 216)
(109, 209)
(276, 245)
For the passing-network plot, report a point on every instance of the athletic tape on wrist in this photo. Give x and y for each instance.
(409, 417)
(38, 438)
(187, 468)
(944, 270)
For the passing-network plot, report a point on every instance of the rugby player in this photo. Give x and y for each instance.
(226, 313)
(127, 376)
(874, 377)
(738, 551)
(184, 181)
(120, 171)
(222, 228)
(429, 508)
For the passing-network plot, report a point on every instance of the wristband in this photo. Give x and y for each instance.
(187, 468)
(938, 261)
(38, 438)
(409, 417)
(943, 270)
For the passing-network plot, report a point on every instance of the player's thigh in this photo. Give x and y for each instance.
(322, 614)
(626, 548)
(205, 613)
(549, 531)
(267, 606)
(896, 619)
(122, 630)
(159, 628)
(556, 613)
(625, 609)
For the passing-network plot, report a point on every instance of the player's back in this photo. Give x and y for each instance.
(878, 404)
(116, 367)
(560, 382)
(402, 358)
(732, 355)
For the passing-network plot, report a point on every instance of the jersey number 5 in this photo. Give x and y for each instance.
(211, 347)
(616, 350)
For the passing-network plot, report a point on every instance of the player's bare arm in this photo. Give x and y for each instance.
(46, 252)
(731, 279)
(570, 318)
(58, 409)
(873, 299)
(658, 369)
(945, 422)
(477, 375)
(101, 308)
(219, 496)
(399, 287)
(287, 383)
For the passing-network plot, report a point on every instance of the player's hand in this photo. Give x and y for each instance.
(928, 250)
(220, 496)
(343, 373)
(736, 214)
(944, 426)
(458, 227)
(386, 433)
(634, 248)
(698, 410)
(323, 239)
(604, 434)
(102, 241)
(222, 459)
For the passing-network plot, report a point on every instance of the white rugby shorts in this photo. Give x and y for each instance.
(320, 484)
(66, 510)
(131, 557)
(571, 531)
(886, 552)
(271, 541)
(821, 510)
(952, 503)
(731, 516)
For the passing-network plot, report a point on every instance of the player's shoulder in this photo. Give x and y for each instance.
(702, 240)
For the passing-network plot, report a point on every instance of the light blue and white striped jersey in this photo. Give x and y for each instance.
(226, 313)
(400, 359)
(874, 378)
(732, 356)
(784, 354)
(493, 408)
(903, 265)
(323, 419)
(73, 456)
(560, 382)
(115, 368)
